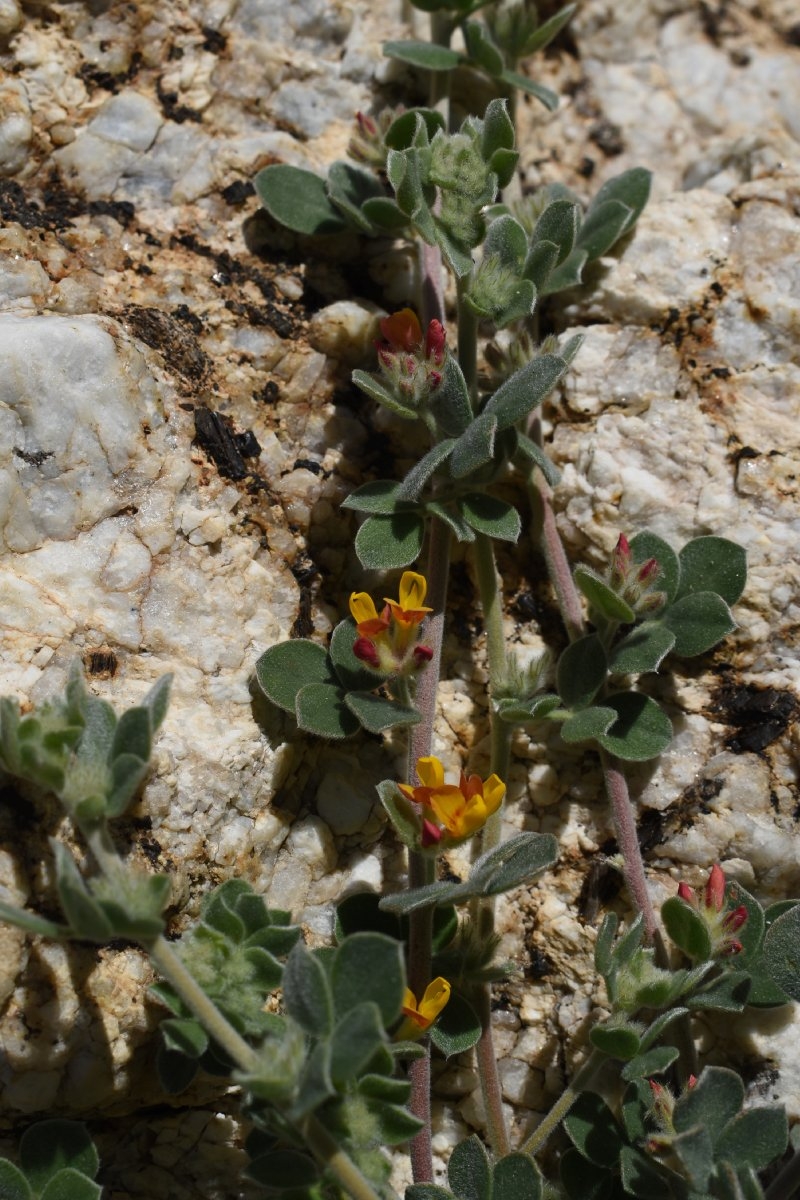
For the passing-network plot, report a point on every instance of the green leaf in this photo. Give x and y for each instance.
(497, 132)
(653, 1062)
(384, 214)
(631, 188)
(85, 916)
(617, 1041)
(355, 1039)
(377, 714)
(132, 735)
(520, 712)
(514, 79)
(641, 731)
(729, 993)
(567, 275)
(31, 922)
(594, 1131)
(186, 1036)
(714, 1100)
(404, 129)
(559, 225)
(127, 774)
(583, 1180)
(298, 200)
(506, 238)
(687, 928)
(389, 543)
(70, 1184)
(755, 1138)
(642, 1177)
(588, 724)
(368, 968)
(350, 671)
(379, 496)
(603, 958)
(401, 812)
(320, 709)
(307, 994)
(525, 390)
(412, 486)
(602, 597)
(49, 1146)
(482, 53)
(603, 226)
(656, 1028)
(491, 516)
(540, 263)
(452, 519)
(422, 54)
(349, 187)
(475, 447)
(642, 650)
(283, 1170)
(581, 671)
(516, 1177)
(647, 545)
(458, 1027)
(427, 1191)
(537, 456)
(713, 564)
(699, 621)
(13, 1184)
(751, 934)
(545, 33)
(449, 403)
(469, 1172)
(517, 861)
(373, 388)
(782, 952)
(284, 669)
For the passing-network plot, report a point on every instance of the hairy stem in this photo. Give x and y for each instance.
(490, 1079)
(628, 841)
(439, 86)
(330, 1155)
(468, 342)
(569, 601)
(579, 1083)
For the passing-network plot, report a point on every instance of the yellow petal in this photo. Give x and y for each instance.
(412, 590)
(409, 1000)
(430, 771)
(493, 792)
(362, 607)
(436, 996)
(449, 806)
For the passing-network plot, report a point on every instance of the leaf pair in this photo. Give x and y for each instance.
(58, 1161)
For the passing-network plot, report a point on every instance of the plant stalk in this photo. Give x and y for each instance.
(583, 1077)
(567, 597)
(330, 1155)
(468, 342)
(489, 1076)
(628, 841)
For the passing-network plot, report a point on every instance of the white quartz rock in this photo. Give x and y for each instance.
(16, 127)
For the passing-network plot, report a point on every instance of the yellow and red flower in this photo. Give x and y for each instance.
(420, 1017)
(387, 640)
(411, 361)
(453, 811)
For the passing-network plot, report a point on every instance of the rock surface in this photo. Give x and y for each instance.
(139, 286)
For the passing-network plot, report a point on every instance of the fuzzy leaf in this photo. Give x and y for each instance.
(581, 671)
(567, 275)
(422, 54)
(525, 390)
(588, 724)
(368, 968)
(452, 519)
(782, 952)
(642, 650)
(654, 1062)
(559, 224)
(602, 597)
(307, 994)
(490, 516)
(348, 187)
(483, 52)
(355, 1039)
(86, 917)
(543, 94)
(755, 1138)
(699, 621)
(646, 545)
(389, 543)
(298, 200)
(715, 1100)
(31, 922)
(284, 669)
(540, 263)
(377, 714)
(642, 1177)
(686, 928)
(631, 188)
(320, 709)
(350, 671)
(282, 1169)
(475, 447)
(728, 993)
(516, 1177)
(70, 1184)
(449, 403)
(373, 388)
(537, 456)
(458, 1027)
(186, 1036)
(384, 214)
(582, 1180)
(594, 1131)
(545, 32)
(469, 1171)
(404, 129)
(520, 712)
(13, 1184)
(617, 1041)
(412, 486)
(641, 731)
(713, 564)
(49, 1146)
(603, 226)
(379, 496)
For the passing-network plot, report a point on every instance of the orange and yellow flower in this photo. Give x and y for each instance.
(459, 810)
(385, 638)
(419, 1017)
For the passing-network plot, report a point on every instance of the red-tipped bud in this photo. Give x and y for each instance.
(431, 834)
(623, 547)
(656, 1088)
(715, 888)
(734, 947)
(648, 570)
(366, 124)
(686, 893)
(691, 1082)
(435, 342)
(434, 379)
(735, 920)
(365, 651)
(422, 655)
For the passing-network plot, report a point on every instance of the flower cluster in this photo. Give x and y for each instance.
(367, 145)
(451, 812)
(662, 1109)
(420, 1017)
(722, 923)
(411, 364)
(634, 582)
(387, 641)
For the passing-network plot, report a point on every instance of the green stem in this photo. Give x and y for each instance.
(330, 1155)
(489, 1076)
(439, 87)
(468, 341)
(579, 1083)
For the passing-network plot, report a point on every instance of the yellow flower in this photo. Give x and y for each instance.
(401, 616)
(460, 809)
(420, 1017)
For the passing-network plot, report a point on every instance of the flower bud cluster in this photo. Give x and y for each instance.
(720, 921)
(367, 144)
(662, 1110)
(635, 582)
(411, 364)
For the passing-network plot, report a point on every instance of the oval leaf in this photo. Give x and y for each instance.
(297, 199)
(642, 730)
(458, 1027)
(642, 650)
(699, 621)
(581, 671)
(603, 598)
(389, 543)
(713, 564)
(320, 708)
(490, 516)
(376, 713)
(647, 545)
(283, 669)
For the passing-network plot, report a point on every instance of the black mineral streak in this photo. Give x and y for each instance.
(212, 434)
(758, 715)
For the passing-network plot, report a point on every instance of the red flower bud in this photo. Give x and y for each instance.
(435, 342)
(422, 655)
(648, 570)
(623, 547)
(736, 919)
(686, 893)
(365, 651)
(431, 834)
(691, 1082)
(715, 888)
